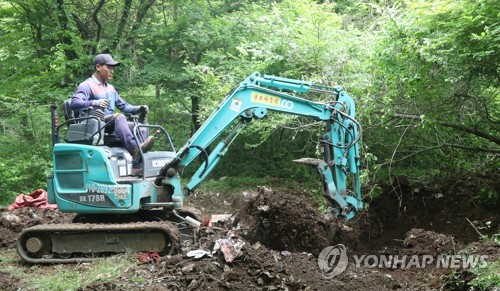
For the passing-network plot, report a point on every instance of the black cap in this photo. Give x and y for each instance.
(105, 59)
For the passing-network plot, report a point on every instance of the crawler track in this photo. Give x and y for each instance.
(79, 242)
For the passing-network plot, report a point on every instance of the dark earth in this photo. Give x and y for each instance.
(283, 234)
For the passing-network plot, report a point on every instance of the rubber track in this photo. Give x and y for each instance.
(82, 228)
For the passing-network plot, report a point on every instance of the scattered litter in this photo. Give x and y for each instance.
(218, 218)
(346, 228)
(256, 246)
(438, 195)
(187, 268)
(264, 208)
(37, 198)
(264, 190)
(8, 218)
(149, 258)
(285, 253)
(249, 194)
(198, 254)
(276, 256)
(230, 247)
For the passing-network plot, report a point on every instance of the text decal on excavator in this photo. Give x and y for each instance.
(271, 100)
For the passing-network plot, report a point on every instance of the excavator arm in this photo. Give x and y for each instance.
(339, 168)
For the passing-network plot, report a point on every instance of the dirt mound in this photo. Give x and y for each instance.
(284, 222)
(262, 268)
(258, 268)
(13, 222)
(425, 242)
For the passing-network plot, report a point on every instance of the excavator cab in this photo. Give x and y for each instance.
(93, 171)
(89, 129)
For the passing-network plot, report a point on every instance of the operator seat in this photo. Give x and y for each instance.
(85, 129)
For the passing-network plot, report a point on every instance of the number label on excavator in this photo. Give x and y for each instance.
(93, 198)
(106, 189)
(158, 163)
(262, 98)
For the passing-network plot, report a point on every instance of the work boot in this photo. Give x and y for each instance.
(148, 144)
(145, 146)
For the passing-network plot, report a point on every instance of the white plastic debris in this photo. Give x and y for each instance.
(285, 253)
(10, 218)
(198, 254)
(264, 208)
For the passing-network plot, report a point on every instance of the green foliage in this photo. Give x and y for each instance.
(114, 269)
(454, 281)
(488, 196)
(437, 95)
(374, 192)
(26, 152)
(488, 277)
(62, 279)
(495, 238)
(106, 270)
(477, 278)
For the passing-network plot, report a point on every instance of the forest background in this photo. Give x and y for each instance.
(424, 75)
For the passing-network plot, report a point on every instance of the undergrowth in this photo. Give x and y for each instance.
(113, 270)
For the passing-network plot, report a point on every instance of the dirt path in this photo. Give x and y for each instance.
(404, 241)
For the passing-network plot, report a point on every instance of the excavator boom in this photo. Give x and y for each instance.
(253, 98)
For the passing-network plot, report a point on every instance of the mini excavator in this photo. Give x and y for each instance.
(118, 212)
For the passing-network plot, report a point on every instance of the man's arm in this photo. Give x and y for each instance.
(80, 99)
(124, 106)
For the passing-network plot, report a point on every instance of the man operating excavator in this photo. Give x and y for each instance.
(96, 93)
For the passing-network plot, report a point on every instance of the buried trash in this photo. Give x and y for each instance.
(219, 219)
(230, 247)
(198, 254)
(145, 258)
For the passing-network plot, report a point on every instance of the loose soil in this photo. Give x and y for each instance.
(282, 234)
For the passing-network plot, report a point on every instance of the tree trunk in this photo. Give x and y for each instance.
(141, 12)
(98, 24)
(63, 34)
(158, 90)
(121, 26)
(195, 109)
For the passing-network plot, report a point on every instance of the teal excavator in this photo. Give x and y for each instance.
(118, 212)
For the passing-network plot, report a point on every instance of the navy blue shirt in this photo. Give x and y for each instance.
(92, 89)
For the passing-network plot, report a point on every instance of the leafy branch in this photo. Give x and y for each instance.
(460, 127)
